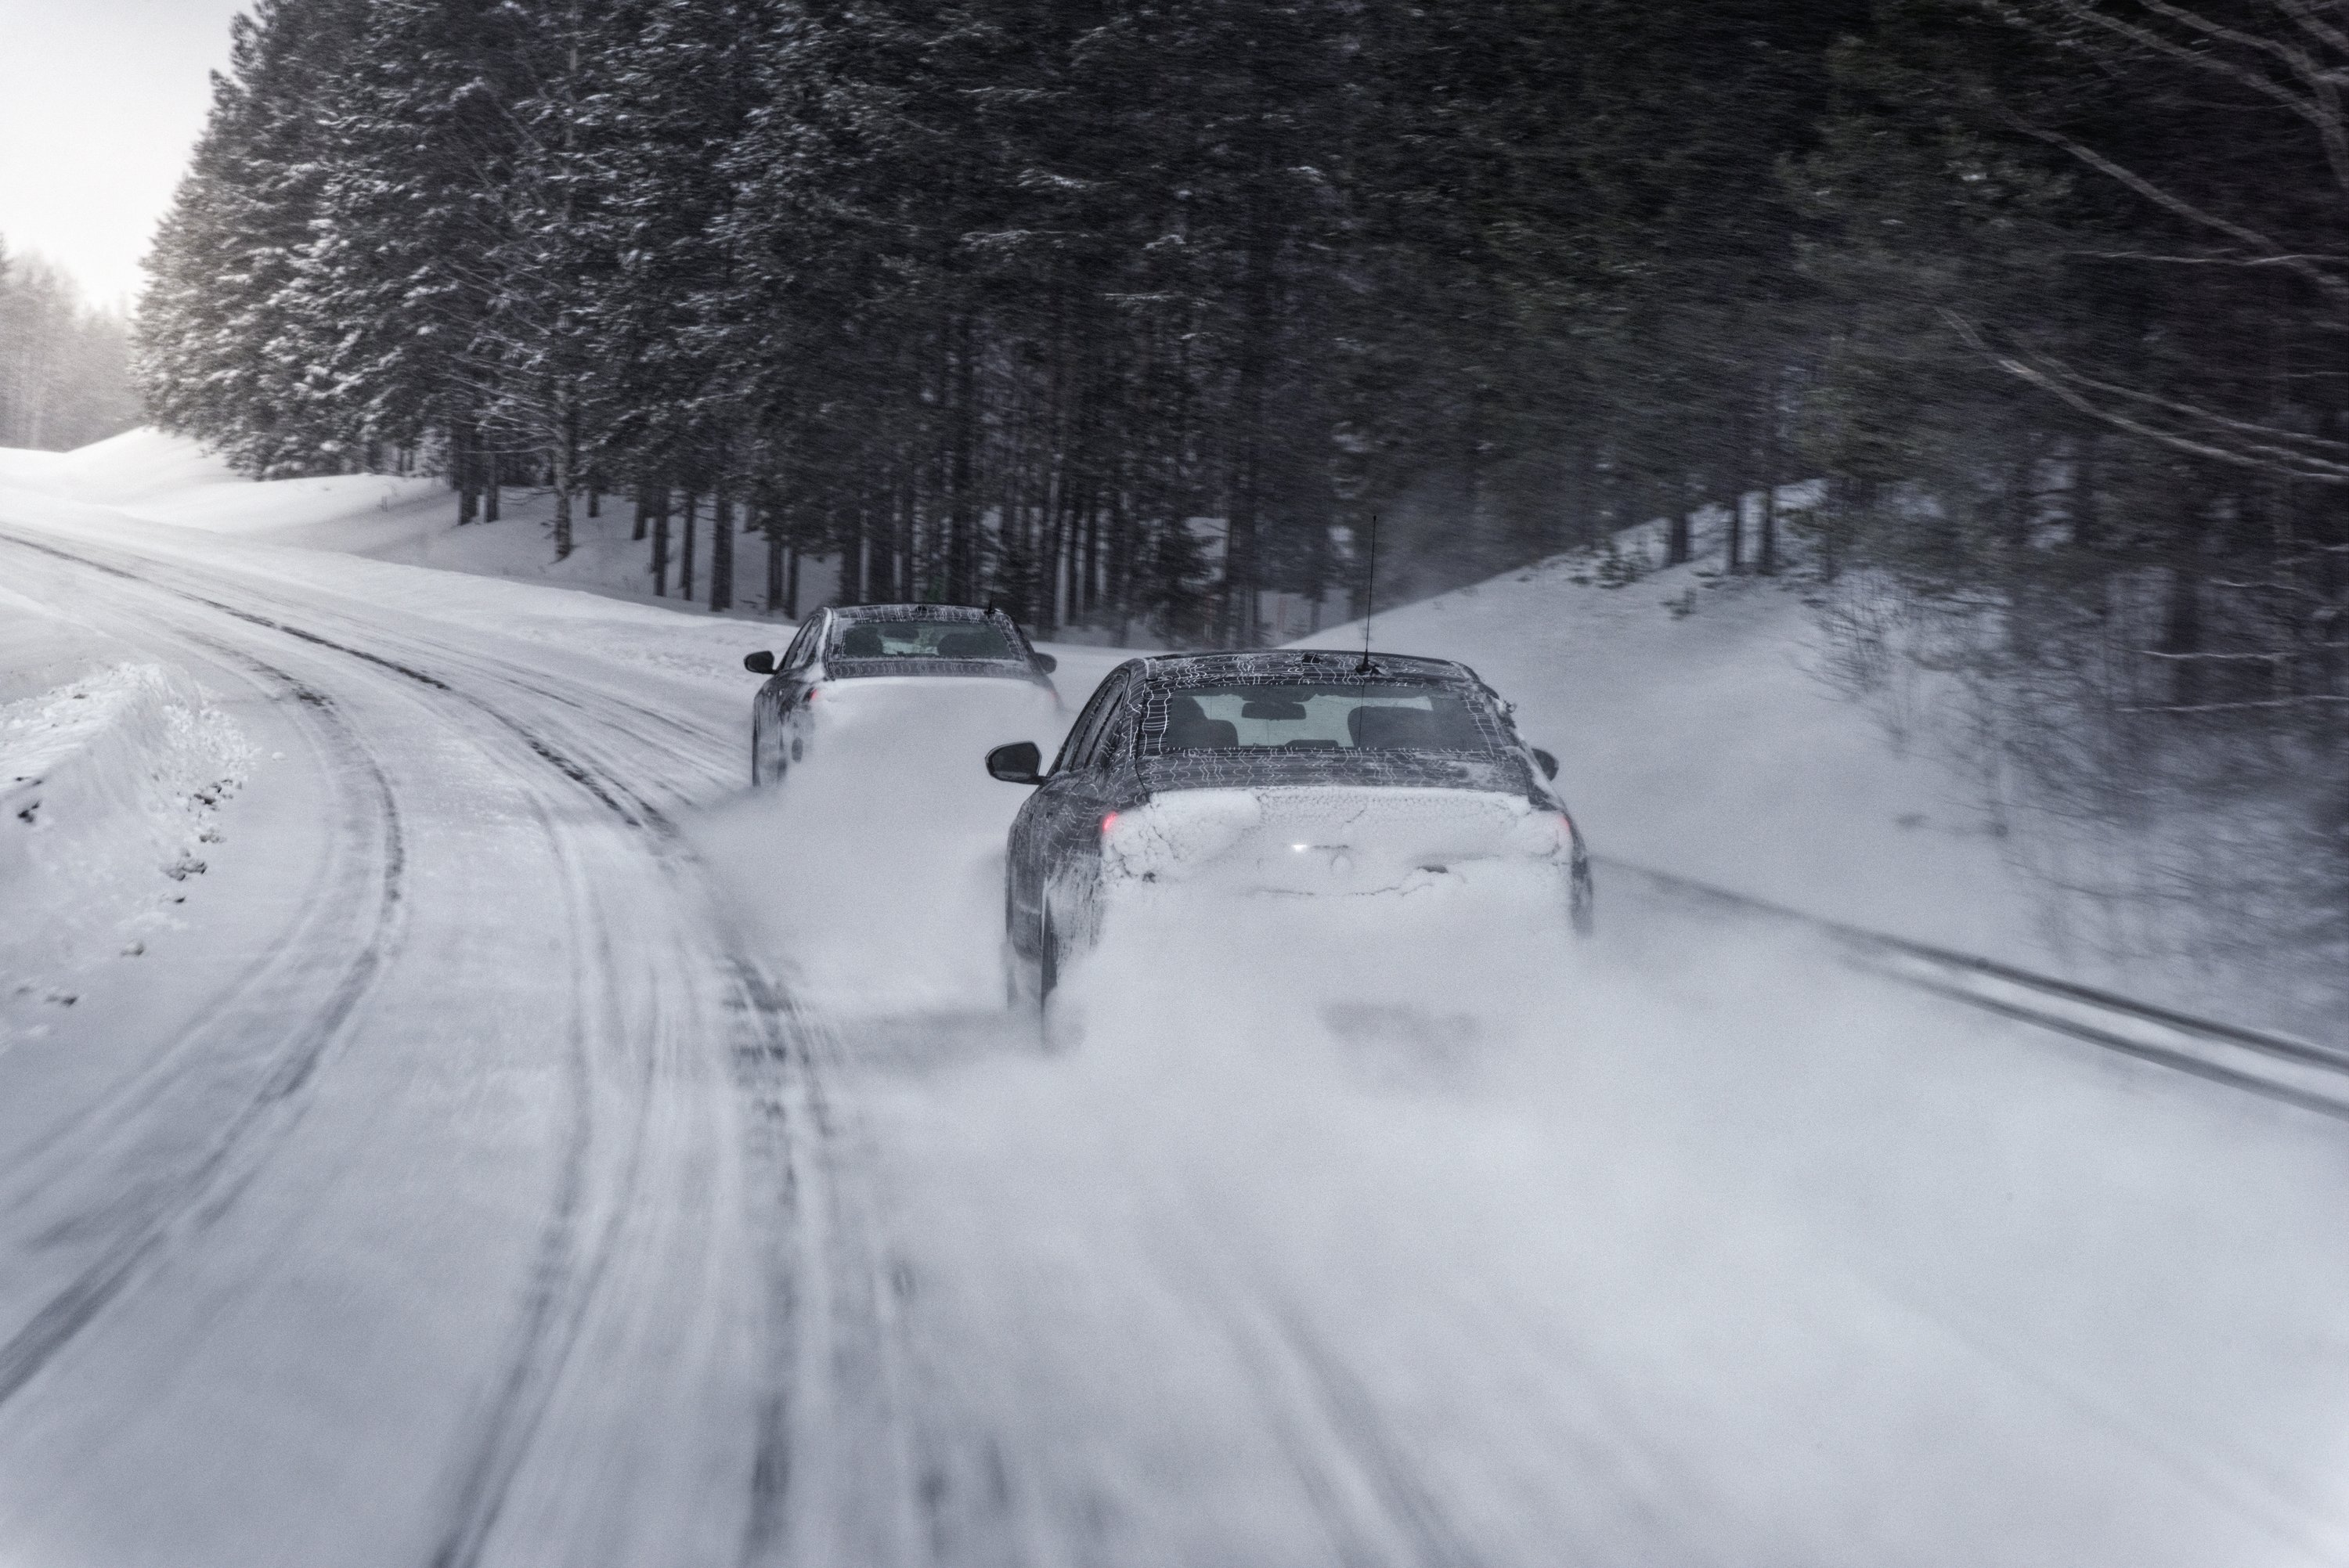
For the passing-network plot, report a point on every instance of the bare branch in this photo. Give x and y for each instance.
(2310, 700)
(2268, 459)
(2177, 204)
(2310, 22)
(2320, 105)
(2312, 651)
(2192, 410)
(2200, 59)
(2209, 261)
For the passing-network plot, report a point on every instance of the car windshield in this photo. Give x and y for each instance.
(1315, 717)
(923, 640)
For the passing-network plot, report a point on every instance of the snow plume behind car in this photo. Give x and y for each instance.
(1543, 1260)
(1377, 947)
(875, 869)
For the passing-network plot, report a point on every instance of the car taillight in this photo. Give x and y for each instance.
(1108, 822)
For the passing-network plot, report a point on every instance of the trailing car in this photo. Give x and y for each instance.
(881, 642)
(1301, 772)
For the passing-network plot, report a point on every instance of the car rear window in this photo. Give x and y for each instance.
(923, 640)
(1350, 716)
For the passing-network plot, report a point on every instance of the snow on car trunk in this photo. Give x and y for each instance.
(108, 790)
(1333, 838)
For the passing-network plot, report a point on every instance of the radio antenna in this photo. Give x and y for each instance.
(1369, 596)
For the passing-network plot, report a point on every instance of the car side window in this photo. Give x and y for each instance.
(802, 647)
(1077, 751)
(1116, 731)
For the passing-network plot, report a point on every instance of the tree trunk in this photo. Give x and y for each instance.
(562, 460)
(962, 540)
(722, 551)
(464, 462)
(774, 529)
(685, 561)
(2182, 616)
(1767, 562)
(1243, 563)
(851, 559)
(660, 546)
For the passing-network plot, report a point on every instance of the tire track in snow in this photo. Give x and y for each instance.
(839, 1476)
(1353, 1469)
(562, 1283)
(820, 1303)
(142, 1226)
(563, 1277)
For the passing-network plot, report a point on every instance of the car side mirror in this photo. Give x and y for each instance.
(761, 663)
(1018, 763)
(1047, 663)
(1548, 763)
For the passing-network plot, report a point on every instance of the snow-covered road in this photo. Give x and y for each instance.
(462, 1174)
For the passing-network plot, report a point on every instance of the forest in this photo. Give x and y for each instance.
(1123, 312)
(64, 368)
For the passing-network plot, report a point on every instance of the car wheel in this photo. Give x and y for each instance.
(1047, 961)
(1582, 902)
(757, 744)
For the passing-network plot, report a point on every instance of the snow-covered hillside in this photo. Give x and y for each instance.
(1706, 742)
(165, 478)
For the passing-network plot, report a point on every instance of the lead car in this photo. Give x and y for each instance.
(1292, 771)
(881, 642)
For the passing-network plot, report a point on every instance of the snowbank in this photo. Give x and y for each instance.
(109, 789)
(155, 478)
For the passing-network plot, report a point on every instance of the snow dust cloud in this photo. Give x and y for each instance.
(873, 874)
(1410, 1211)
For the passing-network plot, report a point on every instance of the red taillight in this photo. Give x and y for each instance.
(1567, 823)
(811, 692)
(1107, 824)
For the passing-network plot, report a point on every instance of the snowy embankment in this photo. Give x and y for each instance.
(1696, 735)
(110, 784)
(154, 478)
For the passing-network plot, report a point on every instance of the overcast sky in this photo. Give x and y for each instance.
(100, 103)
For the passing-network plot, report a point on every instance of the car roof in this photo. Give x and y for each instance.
(849, 614)
(1294, 664)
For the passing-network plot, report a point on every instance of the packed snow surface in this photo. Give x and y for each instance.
(525, 1144)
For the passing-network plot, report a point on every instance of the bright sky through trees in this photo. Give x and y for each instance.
(99, 102)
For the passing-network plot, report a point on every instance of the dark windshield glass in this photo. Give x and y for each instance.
(923, 640)
(1314, 717)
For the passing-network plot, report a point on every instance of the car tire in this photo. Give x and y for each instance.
(1047, 960)
(1582, 902)
(1022, 988)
